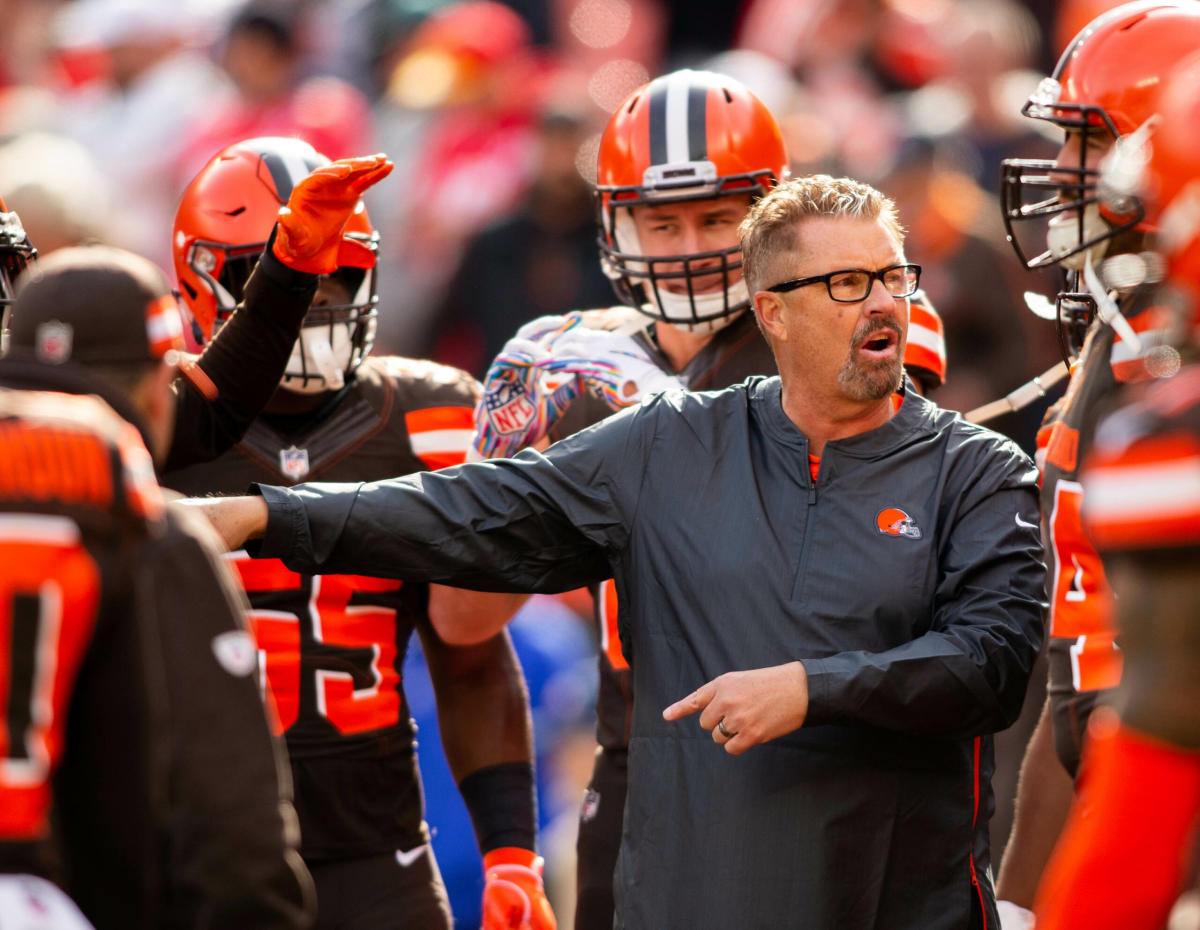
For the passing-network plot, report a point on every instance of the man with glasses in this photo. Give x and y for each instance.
(673, 254)
(853, 571)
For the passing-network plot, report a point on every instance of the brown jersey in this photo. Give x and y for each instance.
(132, 744)
(1084, 659)
(332, 646)
(732, 355)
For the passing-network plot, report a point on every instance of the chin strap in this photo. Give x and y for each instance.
(1107, 309)
(321, 353)
(1022, 397)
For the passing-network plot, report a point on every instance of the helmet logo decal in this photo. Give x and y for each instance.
(892, 521)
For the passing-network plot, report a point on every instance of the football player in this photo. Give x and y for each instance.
(136, 763)
(679, 164)
(1102, 90)
(218, 394)
(1131, 837)
(332, 647)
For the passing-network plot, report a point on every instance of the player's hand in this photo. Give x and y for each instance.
(310, 236)
(513, 896)
(626, 375)
(754, 706)
(236, 519)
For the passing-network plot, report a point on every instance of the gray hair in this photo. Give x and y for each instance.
(769, 229)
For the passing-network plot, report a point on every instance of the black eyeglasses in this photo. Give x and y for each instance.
(853, 285)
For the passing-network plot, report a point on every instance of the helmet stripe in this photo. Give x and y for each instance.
(658, 124)
(287, 169)
(678, 97)
(678, 123)
(696, 123)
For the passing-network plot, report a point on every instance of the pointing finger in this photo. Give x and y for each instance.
(695, 701)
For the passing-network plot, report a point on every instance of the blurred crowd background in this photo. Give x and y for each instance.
(492, 112)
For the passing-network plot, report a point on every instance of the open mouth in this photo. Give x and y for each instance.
(882, 343)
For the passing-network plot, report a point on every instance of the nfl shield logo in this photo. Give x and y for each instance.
(293, 462)
(509, 408)
(591, 806)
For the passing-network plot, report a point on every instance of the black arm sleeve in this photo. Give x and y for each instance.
(241, 367)
(967, 675)
(537, 522)
(233, 837)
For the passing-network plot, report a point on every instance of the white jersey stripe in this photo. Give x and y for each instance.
(926, 339)
(441, 441)
(44, 528)
(1161, 489)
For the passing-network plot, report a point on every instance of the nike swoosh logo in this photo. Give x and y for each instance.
(408, 857)
(1022, 523)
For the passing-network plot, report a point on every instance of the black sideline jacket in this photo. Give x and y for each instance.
(907, 578)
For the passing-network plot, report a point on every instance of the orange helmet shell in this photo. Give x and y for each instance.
(663, 139)
(226, 214)
(1172, 174)
(1110, 73)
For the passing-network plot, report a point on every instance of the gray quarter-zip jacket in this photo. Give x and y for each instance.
(908, 580)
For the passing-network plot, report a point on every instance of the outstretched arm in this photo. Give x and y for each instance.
(235, 519)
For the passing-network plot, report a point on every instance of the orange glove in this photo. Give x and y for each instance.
(513, 896)
(310, 226)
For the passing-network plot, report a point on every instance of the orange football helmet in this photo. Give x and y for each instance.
(1165, 173)
(16, 252)
(1106, 82)
(222, 225)
(688, 135)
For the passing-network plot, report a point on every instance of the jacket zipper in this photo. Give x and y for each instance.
(802, 569)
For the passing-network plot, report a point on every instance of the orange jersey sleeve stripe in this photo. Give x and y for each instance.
(441, 436)
(199, 377)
